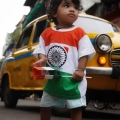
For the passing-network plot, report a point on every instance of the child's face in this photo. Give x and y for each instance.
(67, 13)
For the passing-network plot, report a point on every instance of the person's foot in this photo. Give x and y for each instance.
(32, 96)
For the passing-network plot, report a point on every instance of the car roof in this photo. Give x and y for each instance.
(43, 17)
(82, 14)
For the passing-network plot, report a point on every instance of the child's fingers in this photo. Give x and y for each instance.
(40, 62)
(45, 59)
(36, 64)
(77, 76)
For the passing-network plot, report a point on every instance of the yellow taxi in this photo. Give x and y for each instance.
(16, 78)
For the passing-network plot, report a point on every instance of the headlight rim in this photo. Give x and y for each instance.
(96, 44)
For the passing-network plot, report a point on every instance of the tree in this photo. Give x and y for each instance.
(1, 61)
(13, 37)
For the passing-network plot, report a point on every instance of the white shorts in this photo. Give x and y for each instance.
(48, 100)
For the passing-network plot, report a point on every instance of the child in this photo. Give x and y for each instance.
(68, 47)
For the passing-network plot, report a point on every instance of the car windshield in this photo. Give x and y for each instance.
(95, 25)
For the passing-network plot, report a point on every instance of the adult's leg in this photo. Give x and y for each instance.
(45, 113)
(76, 114)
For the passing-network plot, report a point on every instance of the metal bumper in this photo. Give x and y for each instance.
(113, 72)
(99, 70)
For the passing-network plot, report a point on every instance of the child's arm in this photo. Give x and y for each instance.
(42, 60)
(79, 73)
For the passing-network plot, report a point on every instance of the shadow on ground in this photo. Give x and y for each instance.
(59, 112)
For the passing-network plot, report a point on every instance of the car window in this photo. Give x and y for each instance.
(95, 25)
(40, 26)
(24, 39)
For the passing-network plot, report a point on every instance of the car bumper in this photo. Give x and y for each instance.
(99, 70)
(114, 72)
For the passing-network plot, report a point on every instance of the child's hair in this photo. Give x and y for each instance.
(52, 7)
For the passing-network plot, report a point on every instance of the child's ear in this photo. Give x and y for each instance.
(55, 15)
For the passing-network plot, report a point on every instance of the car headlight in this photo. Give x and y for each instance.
(103, 43)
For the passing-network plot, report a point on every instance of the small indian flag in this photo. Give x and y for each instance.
(40, 73)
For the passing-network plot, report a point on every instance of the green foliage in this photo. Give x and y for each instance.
(13, 37)
(1, 61)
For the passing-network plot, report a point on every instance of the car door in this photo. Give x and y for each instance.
(38, 29)
(21, 55)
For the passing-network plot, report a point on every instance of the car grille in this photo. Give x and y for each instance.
(115, 57)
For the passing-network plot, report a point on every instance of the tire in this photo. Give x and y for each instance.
(9, 96)
(112, 105)
(100, 105)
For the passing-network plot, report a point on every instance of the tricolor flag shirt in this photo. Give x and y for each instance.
(64, 48)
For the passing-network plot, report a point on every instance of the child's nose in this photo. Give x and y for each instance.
(72, 8)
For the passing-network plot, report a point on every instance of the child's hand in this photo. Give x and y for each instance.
(40, 62)
(78, 75)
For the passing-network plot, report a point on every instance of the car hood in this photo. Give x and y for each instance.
(115, 37)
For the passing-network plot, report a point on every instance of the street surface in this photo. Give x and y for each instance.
(29, 110)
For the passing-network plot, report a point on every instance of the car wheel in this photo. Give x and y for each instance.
(10, 97)
(100, 105)
(112, 105)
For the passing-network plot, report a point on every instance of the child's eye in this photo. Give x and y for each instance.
(66, 6)
(76, 7)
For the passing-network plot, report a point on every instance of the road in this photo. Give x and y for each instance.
(29, 110)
